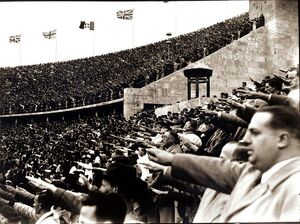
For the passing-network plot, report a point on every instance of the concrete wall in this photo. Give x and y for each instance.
(282, 25)
(177, 107)
(262, 52)
(168, 90)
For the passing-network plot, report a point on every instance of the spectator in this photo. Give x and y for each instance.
(212, 202)
(100, 208)
(190, 141)
(274, 130)
(171, 142)
(60, 85)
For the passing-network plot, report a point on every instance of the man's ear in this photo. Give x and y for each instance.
(283, 140)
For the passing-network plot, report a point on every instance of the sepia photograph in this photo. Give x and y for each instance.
(149, 112)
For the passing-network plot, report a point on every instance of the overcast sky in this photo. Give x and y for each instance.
(151, 21)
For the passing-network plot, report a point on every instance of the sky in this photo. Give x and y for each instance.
(152, 20)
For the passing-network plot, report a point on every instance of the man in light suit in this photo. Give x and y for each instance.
(267, 187)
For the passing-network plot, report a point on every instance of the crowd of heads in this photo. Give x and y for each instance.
(97, 169)
(104, 152)
(60, 85)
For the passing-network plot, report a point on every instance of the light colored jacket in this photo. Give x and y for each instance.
(211, 206)
(249, 201)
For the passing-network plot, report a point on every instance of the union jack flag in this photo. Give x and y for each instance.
(50, 35)
(126, 14)
(15, 39)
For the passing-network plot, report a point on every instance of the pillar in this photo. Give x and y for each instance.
(197, 76)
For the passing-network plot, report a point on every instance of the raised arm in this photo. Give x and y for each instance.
(215, 173)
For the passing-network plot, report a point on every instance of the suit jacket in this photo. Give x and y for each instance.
(211, 206)
(276, 200)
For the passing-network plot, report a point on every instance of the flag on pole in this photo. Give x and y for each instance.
(50, 35)
(126, 14)
(86, 25)
(15, 39)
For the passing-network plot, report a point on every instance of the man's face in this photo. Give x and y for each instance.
(158, 127)
(269, 88)
(187, 125)
(167, 140)
(163, 130)
(292, 74)
(106, 187)
(261, 142)
(294, 79)
(142, 152)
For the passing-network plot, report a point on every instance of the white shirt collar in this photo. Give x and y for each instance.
(266, 175)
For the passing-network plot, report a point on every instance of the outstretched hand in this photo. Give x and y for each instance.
(86, 181)
(41, 184)
(11, 189)
(250, 94)
(232, 103)
(160, 156)
(209, 112)
(84, 165)
(159, 192)
(150, 165)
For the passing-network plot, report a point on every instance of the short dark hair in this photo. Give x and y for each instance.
(46, 199)
(194, 125)
(284, 117)
(276, 83)
(110, 206)
(121, 175)
(175, 136)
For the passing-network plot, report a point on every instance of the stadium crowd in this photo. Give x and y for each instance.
(205, 164)
(61, 85)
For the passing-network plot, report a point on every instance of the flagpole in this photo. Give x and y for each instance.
(94, 41)
(20, 52)
(132, 33)
(56, 46)
(175, 19)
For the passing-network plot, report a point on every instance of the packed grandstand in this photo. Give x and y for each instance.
(84, 81)
(66, 161)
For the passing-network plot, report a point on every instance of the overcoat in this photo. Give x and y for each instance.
(278, 199)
